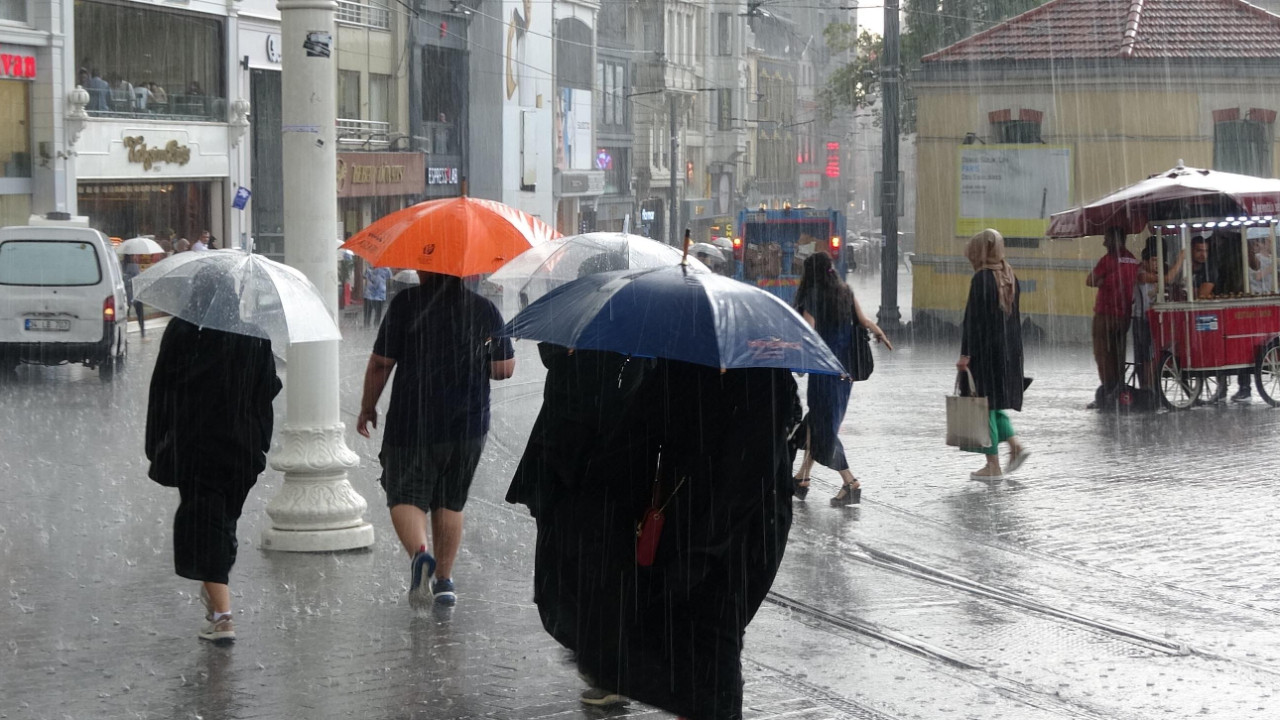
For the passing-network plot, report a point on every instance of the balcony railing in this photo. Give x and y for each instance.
(365, 14)
(370, 133)
(205, 108)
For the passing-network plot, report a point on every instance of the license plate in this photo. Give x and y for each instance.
(48, 325)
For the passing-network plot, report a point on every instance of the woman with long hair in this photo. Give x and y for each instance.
(991, 348)
(830, 307)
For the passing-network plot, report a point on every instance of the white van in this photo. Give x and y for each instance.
(62, 296)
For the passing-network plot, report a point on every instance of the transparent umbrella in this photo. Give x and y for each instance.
(139, 246)
(543, 268)
(238, 292)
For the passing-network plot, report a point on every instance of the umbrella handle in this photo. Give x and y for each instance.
(684, 258)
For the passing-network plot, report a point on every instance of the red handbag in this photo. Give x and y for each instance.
(649, 529)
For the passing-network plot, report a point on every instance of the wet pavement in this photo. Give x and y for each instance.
(1126, 572)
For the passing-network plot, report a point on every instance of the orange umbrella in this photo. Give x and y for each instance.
(454, 236)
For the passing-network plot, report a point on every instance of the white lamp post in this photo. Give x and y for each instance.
(316, 508)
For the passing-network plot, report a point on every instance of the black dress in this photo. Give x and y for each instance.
(993, 342)
(209, 422)
(671, 634)
(584, 396)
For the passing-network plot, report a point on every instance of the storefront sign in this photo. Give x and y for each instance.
(241, 199)
(17, 65)
(382, 174)
(833, 160)
(172, 153)
(442, 176)
(570, 184)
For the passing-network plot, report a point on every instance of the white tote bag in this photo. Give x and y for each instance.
(968, 421)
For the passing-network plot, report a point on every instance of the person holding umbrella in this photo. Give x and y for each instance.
(666, 537)
(131, 270)
(445, 340)
(209, 423)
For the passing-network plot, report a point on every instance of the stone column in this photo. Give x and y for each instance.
(316, 508)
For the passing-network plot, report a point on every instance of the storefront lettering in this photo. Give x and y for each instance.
(18, 66)
(363, 174)
(172, 152)
(442, 176)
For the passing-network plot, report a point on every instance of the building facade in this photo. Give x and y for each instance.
(1013, 128)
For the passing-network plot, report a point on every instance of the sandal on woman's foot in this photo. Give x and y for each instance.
(800, 490)
(848, 495)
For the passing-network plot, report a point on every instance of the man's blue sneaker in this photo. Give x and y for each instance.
(420, 572)
(442, 589)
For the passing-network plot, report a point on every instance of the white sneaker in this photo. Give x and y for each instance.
(1016, 460)
(598, 697)
(218, 632)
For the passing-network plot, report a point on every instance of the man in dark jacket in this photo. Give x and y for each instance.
(209, 422)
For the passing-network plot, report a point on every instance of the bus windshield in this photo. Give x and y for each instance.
(774, 249)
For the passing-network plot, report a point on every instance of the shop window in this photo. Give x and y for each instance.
(143, 62)
(13, 10)
(15, 131)
(267, 164)
(615, 162)
(380, 98)
(128, 209)
(1244, 146)
(349, 94)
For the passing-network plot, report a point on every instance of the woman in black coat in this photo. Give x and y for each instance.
(209, 422)
(670, 633)
(991, 348)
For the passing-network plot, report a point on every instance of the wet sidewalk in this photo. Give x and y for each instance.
(1127, 572)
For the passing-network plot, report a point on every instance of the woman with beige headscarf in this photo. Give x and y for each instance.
(991, 348)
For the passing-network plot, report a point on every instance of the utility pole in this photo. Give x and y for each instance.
(889, 318)
(316, 509)
(672, 234)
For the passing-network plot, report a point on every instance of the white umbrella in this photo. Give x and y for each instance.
(540, 269)
(406, 277)
(139, 246)
(238, 292)
(707, 249)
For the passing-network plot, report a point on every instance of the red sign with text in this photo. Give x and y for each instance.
(17, 66)
(833, 159)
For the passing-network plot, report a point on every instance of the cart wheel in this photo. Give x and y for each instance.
(1178, 390)
(1214, 387)
(1267, 374)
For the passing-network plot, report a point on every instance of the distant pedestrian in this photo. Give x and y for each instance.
(991, 348)
(375, 293)
(181, 245)
(442, 340)
(209, 422)
(1114, 276)
(131, 269)
(830, 307)
(202, 243)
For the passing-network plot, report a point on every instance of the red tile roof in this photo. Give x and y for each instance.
(1147, 29)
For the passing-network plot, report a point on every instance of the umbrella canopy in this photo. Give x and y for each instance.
(139, 246)
(1177, 194)
(406, 277)
(541, 269)
(454, 236)
(673, 313)
(707, 249)
(238, 292)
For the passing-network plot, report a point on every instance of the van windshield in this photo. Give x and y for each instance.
(49, 262)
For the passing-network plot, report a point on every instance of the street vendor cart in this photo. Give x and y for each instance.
(1200, 339)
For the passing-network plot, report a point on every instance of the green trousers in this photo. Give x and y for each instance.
(1001, 430)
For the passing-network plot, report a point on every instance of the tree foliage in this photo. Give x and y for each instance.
(929, 26)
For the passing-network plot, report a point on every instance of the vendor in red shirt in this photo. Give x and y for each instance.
(1114, 276)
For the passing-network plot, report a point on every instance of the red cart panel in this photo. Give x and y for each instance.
(1215, 335)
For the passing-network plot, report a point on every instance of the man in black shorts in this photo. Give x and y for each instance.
(443, 338)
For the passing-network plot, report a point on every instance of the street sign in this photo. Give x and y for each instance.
(241, 198)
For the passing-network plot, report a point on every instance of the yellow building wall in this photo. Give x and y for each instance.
(1118, 135)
